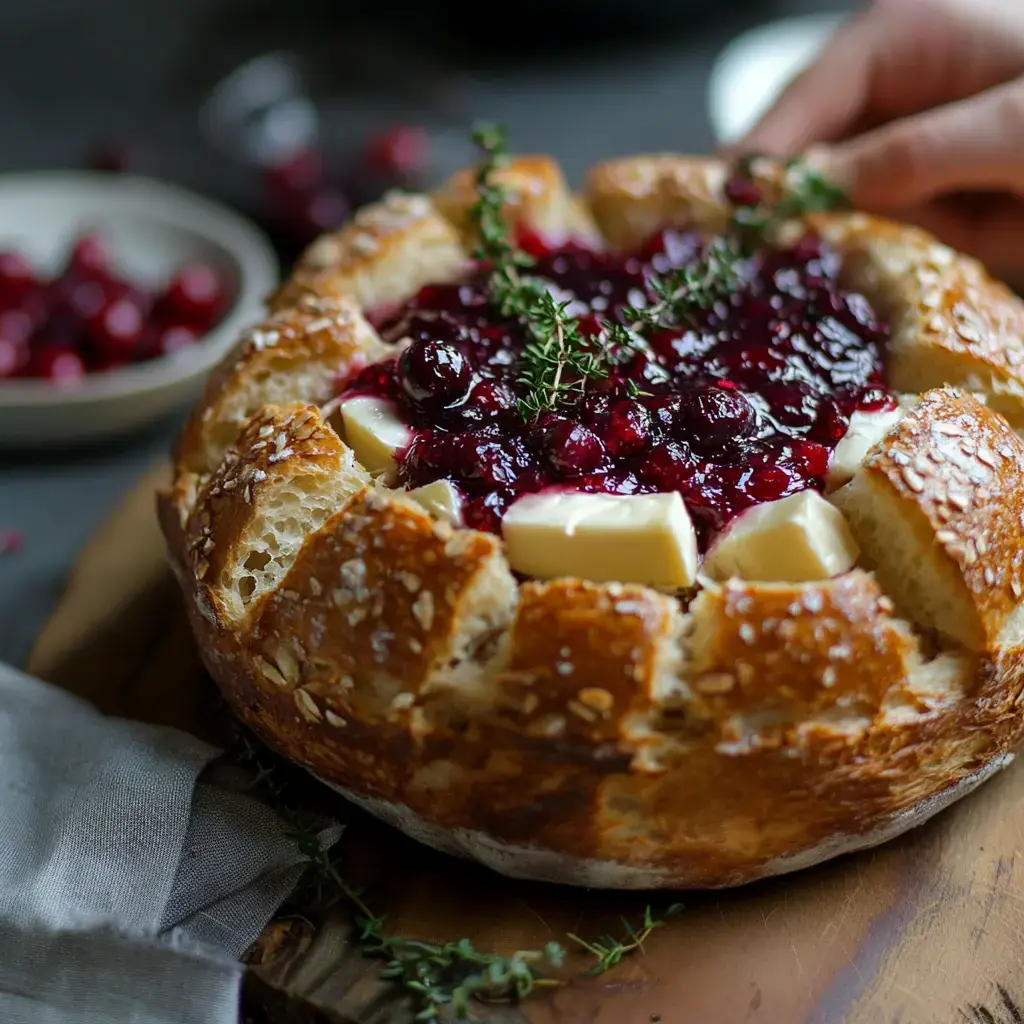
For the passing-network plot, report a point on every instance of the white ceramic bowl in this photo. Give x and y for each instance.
(153, 228)
(755, 67)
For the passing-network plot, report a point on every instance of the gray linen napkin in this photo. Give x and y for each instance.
(129, 881)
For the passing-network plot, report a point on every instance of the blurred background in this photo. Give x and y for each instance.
(207, 93)
(292, 111)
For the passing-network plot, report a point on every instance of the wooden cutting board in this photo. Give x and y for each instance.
(927, 929)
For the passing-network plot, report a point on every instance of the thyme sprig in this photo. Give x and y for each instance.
(558, 359)
(441, 979)
(805, 191)
(608, 951)
(678, 294)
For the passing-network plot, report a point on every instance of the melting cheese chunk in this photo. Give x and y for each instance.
(374, 433)
(440, 499)
(792, 540)
(866, 430)
(630, 538)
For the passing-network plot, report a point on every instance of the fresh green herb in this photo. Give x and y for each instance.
(558, 359)
(441, 979)
(805, 191)
(608, 951)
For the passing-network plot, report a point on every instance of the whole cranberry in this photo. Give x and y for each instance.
(15, 330)
(434, 373)
(16, 327)
(569, 448)
(116, 330)
(306, 216)
(741, 191)
(89, 257)
(196, 295)
(82, 298)
(17, 278)
(56, 363)
(298, 172)
(173, 338)
(627, 429)
(399, 152)
(811, 457)
(768, 484)
(668, 467)
(491, 400)
(706, 415)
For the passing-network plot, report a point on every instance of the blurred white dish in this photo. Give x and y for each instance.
(153, 229)
(754, 68)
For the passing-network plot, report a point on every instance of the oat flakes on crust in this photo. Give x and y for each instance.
(608, 734)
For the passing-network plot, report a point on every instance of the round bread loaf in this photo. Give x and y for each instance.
(607, 733)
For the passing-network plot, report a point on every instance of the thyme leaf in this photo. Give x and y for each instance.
(442, 980)
(558, 359)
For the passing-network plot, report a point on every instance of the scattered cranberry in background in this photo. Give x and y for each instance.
(299, 171)
(90, 319)
(400, 151)
(10, 541)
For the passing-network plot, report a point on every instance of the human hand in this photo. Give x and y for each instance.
(916, 108)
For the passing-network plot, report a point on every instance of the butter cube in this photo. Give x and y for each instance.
(629, 538)
(375, 434)
(866, 430)
(792, 540)
(440, 499)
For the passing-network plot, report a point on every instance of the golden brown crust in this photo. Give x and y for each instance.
(301, 353)
(952, 323)
(950, 476)
(538, 199)
(387, 253)
(606, 734)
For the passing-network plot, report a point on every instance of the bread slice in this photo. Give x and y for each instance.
(286, 475)
(385, 255)
(937, 510)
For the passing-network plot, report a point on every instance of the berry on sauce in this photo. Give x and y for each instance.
(742, 404)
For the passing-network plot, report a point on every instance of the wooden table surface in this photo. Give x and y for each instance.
(927, 929)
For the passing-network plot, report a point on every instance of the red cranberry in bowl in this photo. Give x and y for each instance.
(116, 330)
(196, 295)
(89, 258)
(57, 363)
(17, 278)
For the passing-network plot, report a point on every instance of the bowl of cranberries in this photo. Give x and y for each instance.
(117, 297)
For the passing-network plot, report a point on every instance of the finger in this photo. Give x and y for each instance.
(971, 145)
(823, 100)
(990, 230)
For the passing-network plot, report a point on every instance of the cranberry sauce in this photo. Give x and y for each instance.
(743, 406)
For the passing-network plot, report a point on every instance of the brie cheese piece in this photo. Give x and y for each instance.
(866, 430)
(440, 499)
(629, 538)
(792, 540)
(374, 433)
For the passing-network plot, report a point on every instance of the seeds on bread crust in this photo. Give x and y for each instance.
(606, 733)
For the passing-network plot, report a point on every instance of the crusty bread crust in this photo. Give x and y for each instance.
(608, 734)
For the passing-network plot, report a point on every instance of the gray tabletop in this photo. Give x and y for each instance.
(70, 71)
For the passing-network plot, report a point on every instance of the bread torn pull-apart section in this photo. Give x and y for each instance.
(286, 474)
(937, 510)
